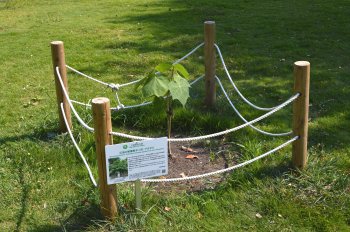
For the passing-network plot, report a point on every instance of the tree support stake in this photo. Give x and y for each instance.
(301, 113)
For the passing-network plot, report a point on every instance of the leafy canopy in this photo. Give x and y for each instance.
(167, 79)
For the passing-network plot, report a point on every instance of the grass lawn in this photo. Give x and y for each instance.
(43, 183)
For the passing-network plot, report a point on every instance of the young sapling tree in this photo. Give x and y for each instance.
(168, 82)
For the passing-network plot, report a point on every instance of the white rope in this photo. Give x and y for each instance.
(110, 85)
(177, 139)
(117, 97)
(129, 83)
(218, 133)
(87, 76)
(196, 80)
(70, 102)
(121, 106)
(118, 86)
(223, 170)
(81, 103)
(238, 127)
(235, 87)
(240, 115)
(91, 176)
(188, 54)
(133, 137)
(132, 106)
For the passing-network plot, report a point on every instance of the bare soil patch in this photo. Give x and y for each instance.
(201, 158)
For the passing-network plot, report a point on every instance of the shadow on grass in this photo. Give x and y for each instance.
(195, 119)
(243, 32)
(235, 179)
(46, 133)
(81, 219)
(24, 198)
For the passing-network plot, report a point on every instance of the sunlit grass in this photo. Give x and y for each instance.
(44, 185)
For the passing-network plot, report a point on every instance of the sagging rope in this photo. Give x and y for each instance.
(244, 120)
(222, 170)
(188, 54)
(180, 139)
(133, 137)
(121, 106)
(118, 86)
(277, 108)
(234, 85)
(91, 176)
(174, 179)
(89, 77)
(81, 121)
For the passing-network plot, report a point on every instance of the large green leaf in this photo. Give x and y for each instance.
(156, 86)
(163, 67)
(181, 69)
(180, 89)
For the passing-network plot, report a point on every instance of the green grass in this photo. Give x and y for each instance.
(44, 185)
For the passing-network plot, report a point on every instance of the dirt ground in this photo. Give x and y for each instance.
(201, 158)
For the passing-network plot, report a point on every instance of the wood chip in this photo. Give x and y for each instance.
(167, 208)
(187, 149)
(191, 157)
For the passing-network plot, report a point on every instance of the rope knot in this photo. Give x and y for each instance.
(119, 107)
(114, 86)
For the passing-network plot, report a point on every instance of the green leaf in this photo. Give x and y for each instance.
(182, 70)
(144, 80)
(156, 86)
(180, 89)
(163, 67)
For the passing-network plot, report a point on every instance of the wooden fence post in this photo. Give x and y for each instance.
(103, 126)
(301, 113)
(58, 60)
(209, 62)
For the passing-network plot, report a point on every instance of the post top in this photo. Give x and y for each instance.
(302, 63)
(100, 100)
(209, 22)
(56, 42)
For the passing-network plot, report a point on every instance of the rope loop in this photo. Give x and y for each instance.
(119, 107)
(114, 87)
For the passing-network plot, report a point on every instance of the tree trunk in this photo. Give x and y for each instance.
(169, 117)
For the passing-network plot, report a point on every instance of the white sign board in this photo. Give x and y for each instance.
(136, 160)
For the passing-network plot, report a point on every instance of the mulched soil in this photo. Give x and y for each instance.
(207, 160)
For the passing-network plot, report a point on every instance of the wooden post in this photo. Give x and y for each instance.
(301, 112)
(58, 60)
(103, 127)
(209, 59)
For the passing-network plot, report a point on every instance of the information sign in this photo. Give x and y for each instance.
(136, 160)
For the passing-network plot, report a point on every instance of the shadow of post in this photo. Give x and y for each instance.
(24, 198)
